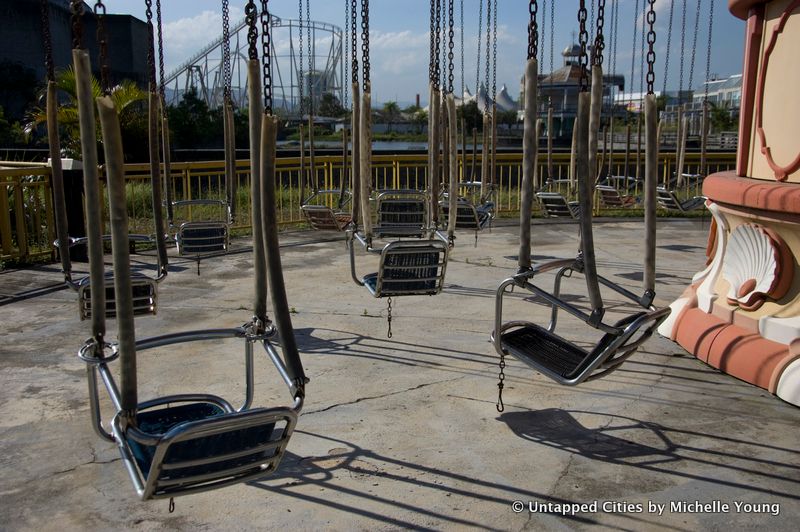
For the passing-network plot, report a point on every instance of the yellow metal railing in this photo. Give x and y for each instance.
(26, 211)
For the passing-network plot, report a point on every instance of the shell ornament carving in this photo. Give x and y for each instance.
(758, 265)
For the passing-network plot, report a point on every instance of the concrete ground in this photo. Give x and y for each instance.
(403, 432)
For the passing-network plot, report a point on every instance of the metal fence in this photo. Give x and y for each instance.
(26, 210)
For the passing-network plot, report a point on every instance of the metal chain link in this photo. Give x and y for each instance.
(651, 41)
(669, 44)
(480, 41)
(643, 54)
(543, 36)
(599, 37)
(431, 39)
(310, 59)
(591, 22)
(450, 45)
(488, 44)
(552, 35)
(694, 43)
(500, 382)
(437, 42)
(389, 318)
(494, 51)
(583, 37)
(226, 51)
(102, 44)
(533, 30)
(49, 66)
(461, 21)
(266, 52)
(345, 50)
(251, 13)
(365, 42)
(354, 41)
(76, 10)
(683, 46)
(633, 51)
(301, 76)
(161, 88)
(708, 53)
(151, 45)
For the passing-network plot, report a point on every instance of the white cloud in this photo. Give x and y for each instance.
(185, 37)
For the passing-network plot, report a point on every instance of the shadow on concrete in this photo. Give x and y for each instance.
(560, 429)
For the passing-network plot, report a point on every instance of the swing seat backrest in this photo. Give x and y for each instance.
(611, 198)
(197, 447)
(401, 211)
(199, 237)
(468, 216)
(145, 296)
(669, 201)
(409, 268)
(324, 218)
(554, 205)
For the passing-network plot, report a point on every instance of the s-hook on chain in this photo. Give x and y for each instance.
(651, 41)
(266, 47)
(76, 10)
(533, 30)
(250, 14)
(583, 38)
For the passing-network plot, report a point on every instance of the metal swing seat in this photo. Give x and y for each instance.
(475, 215)
(145, 288)
(196, 238)
(667, 199)
(188, 443)
(321, 216)
(401, 213)
(557, 358)
(554, 205)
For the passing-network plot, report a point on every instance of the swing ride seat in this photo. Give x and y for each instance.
(401, 213)
(323, 217)
(202, 445)
(554, 205)
(612, 199)
(145, 295)
(203, 237)
(188, 443)
(554, 356)
(468, 216)
(669, 201)
(409, 268)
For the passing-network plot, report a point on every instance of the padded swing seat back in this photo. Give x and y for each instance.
(409, 268)
(145, 296)
(200, 447)
(198, 238)
(554, 205)
(324, 218)
(568, 364)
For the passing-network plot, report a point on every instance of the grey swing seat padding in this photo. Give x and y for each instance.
(554, 205)
(145, 295)
(409, 268)
(203, 237)
(559, 359)
(669, 201)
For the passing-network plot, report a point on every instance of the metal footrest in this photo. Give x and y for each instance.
(197, 238)
(145, 296)
(544, 351)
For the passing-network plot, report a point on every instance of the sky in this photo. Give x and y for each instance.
(399, 42)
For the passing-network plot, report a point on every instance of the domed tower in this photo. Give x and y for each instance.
(742, 313)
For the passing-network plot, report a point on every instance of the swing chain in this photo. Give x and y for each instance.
(102, 44)
(389, 318)
(599, 38)
(583, 37)
(500, 383)
(651, 41)
(708, 54)
(310, 58)
(480, 41)
(431, 39)
(76, 8)
(345, 50)
(694, 43)
(533, 30)
(250, 13)
(226, 52)
(266, 45)
(494, 52)
(48, 40)
(161, 88)
(365, 42)
(669, 43)
(354, 48)
(450, 45)
(437, 74)
(151, 50)
(488, 57)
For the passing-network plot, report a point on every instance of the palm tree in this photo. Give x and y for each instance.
(391, 114)
(124, 95)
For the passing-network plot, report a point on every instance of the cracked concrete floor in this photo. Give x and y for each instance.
(403, 432)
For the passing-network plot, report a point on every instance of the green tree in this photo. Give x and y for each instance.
(330, 106)
(720, 117)
(193, 124)
(390, 114)
(10, 133)
(126, 96)
(473, 117)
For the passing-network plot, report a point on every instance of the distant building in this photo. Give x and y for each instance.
(22, 47)
(722, 93)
